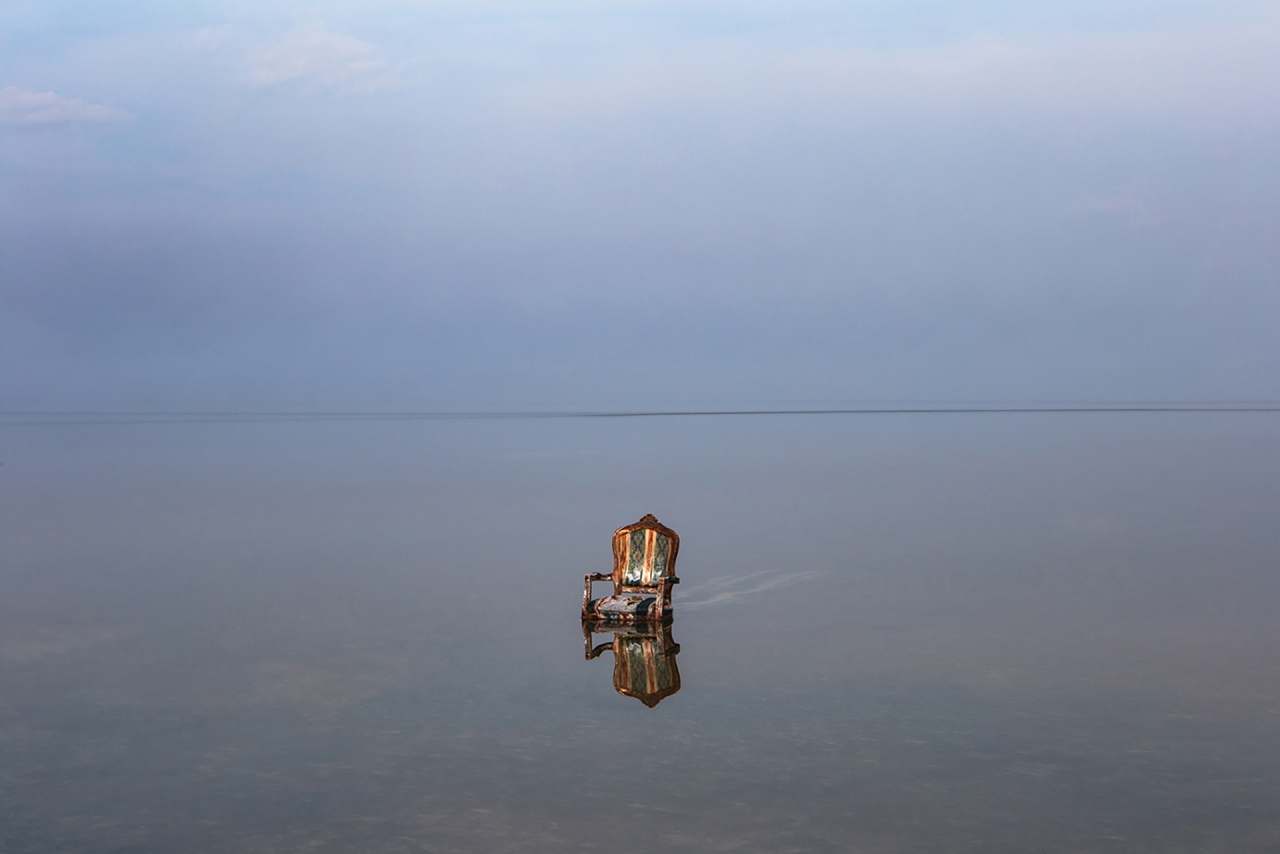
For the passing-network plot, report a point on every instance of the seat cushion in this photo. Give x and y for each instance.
(624, 607)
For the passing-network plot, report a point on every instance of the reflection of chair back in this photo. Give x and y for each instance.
(644, 659)
(644, 565)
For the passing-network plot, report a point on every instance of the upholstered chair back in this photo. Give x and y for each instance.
(643, 553)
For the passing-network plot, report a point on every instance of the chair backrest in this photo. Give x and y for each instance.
(643, 553)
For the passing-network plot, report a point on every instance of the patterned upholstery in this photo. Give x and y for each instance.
(625, 607)
(644, 556)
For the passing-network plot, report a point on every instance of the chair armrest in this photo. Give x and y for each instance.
(586, 586)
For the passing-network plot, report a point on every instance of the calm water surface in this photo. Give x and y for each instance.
(896, 633)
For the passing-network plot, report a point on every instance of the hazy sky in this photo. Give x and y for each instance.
(558, 203)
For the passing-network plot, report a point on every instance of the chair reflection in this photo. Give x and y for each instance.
(644, 658)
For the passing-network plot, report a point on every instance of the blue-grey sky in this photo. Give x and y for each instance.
(566, 203)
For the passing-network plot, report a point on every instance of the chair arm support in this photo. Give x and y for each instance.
(664, 594)
(586, 587)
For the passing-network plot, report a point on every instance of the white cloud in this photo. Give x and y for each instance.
(28, 107)
(316, 58)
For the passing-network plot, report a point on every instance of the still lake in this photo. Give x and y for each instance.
(898, 633)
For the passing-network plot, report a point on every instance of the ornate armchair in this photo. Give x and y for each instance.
(644, 563)
(644, 658)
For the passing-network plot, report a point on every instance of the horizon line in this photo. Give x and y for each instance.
(17, 418)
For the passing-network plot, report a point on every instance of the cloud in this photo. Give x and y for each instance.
(28, 107)
(316, 58)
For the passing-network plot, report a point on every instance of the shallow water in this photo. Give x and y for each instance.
(896, 633)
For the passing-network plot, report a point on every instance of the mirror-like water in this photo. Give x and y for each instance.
(909, 633)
